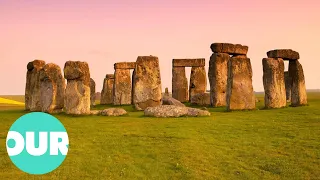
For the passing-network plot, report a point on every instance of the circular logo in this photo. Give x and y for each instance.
(37, 143)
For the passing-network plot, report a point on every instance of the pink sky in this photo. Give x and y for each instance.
(104, 32)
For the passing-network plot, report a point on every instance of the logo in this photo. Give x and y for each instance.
(37, 143)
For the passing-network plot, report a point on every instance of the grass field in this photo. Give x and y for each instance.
(260, 144)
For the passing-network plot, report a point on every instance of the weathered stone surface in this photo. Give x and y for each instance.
(288, 83)
(77, 94)
(122, 87)
(174, 111)
(233, 49)
(32, 90)
(125, 65)
(274, 83)
(298, 87)
(107, 90)
(180, 90)
(147, 83)
(166, 100)
(92, 92)
(218, 76)
(166, 92)
(240, 94)
(200, 62)
(198, 81)
(98, 95)
(286, 54)
(201, 99)
(113, 112)
(52, 87)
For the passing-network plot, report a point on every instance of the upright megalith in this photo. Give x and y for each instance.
(32, 90)
(107, 90)
(218, 76)
(198, 81)
(122, 83)
(218, 69)
(240, 94)
(147, 83)
(295, 82)
(180, 89)
(298, 87)
(92, 92)
(274, 83)
(52, 88)
(166, 92)
(288, 83)
(77, 94)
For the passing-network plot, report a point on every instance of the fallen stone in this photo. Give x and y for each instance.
(286, 54)
(198, 81)
(180, 90)
(147, 83)
(201, 99)
(166, 100)
(107, 90)
(174, 111)
(218, 76)
(52, 89)
(298, 88)
(125, 65)
(232, 49)
(77, 94)
(94, 112)
(32, 90)
(274, 83)
(240, 94)
(92, 92)
(113, 112)
(189, 62)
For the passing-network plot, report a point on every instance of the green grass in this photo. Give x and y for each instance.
(261, 144)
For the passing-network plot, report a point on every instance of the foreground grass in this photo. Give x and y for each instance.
(261, 144)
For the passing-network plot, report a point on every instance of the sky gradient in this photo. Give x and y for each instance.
(103, 32)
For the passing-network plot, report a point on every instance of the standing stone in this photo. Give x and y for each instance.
(198, 81)
(218, 76)
(180, 90)
(92, 92)
(240, 94)
(52, 87)
(122, 87)
(166, 93)
(298, 88)
(288, 83)
(77, 94)
(32, 90)
(147, 83)
(274, 83)
(107, 90)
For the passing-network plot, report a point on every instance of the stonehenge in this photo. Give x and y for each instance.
(107, 90)
(230, 77)
(52, 87)
(92, 92)
(122, 89)
(147, 83)
(198, 78)
(77, 93)
(32, 90)
(283, 86)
